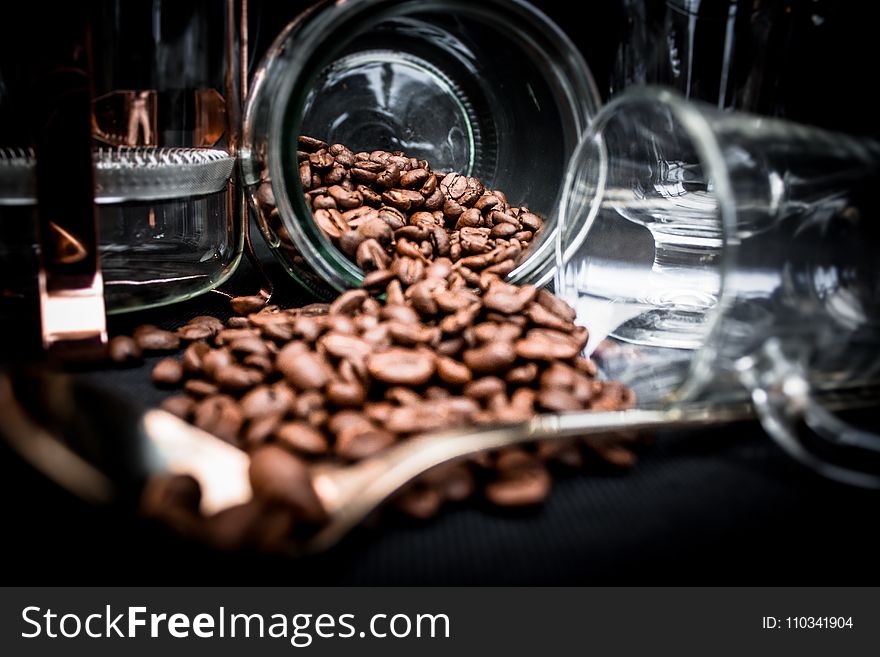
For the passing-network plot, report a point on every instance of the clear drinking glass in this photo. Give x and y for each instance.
(722, 253)
(491, 89)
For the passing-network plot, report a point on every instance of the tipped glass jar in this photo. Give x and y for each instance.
(492, 90)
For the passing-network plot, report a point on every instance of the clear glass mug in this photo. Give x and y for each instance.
(492, 89)
(725, 255)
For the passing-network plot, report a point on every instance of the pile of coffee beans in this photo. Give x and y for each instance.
(435, 339)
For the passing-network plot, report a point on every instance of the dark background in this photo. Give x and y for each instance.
(824, 52)
(713, 507)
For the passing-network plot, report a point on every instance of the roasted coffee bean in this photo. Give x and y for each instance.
(414, 178)
(321, 160)
(408, 270)
(247, 346)
(403, 199)
(612, 396)
(345, 198)
(168, 372)
(346, 394)
(348, 303)
(531, 221)
(540, 316)
(522, 375)
(336, 174)
(450, 347)
(493, 331)
(435, 201)
(419, 502)
(365, 172)
(371, 256)
(156, 339)
(558, 375)
(192, 332)
(453, 372)
(359, 441)
(343, 154)
(302, 369)
(399, 366)
(558, 400)
(450, 301)
(310, 144)
(441, 268)
(370, 196)
(226, 336)
(247, 304)
(453, 185)
(200, 388)
(389, 177)
(276, 474)
(546, 344)
(556, 306)
(301, 438)
(179, 405)
(340, 345)
(470, 218)
(409, 334)
(327, 223)
(236, 378)
(266, 400)
(522, 482)
(215, 360)
(220, 415)
(484, 388)
(464, 317)
(124, 350)
(349, 242)
(260, 430)
(280, 331)
(403, 396)
(421, 296)
(490, 358)
(376, 229)
(503, 230)
(378, 279)
(508, 299)
(174, 499)
(399, 312)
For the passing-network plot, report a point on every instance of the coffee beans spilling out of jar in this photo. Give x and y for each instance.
(385, 210)
(435, 339)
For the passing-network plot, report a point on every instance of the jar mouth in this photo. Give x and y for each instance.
(510, 117)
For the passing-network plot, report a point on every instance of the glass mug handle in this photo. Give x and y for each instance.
(787, 409)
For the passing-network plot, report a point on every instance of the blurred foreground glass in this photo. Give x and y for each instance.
(723, 252)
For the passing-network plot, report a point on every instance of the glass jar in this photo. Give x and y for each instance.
(489, 89)
(160, 121)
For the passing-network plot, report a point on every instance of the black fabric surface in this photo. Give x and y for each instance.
(721, 506)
